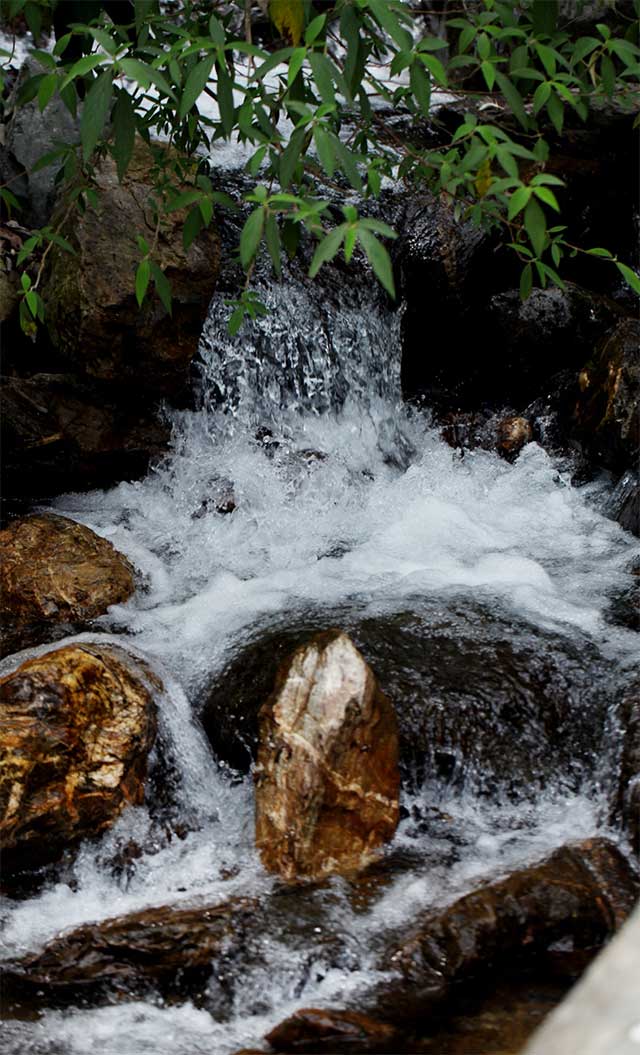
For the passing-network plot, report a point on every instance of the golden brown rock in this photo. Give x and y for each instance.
(76, 726)
(327, 778)
(513, 434)
(54, 570)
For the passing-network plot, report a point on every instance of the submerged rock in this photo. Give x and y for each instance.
(327, 779)
(92, 313)
(76, 727)
(54, 571)
(321, 1030)
(482, 699)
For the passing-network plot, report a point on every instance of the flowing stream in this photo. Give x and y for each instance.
(345, 500)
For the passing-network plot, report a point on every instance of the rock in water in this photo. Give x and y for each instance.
(327, 778)
(56, 571)
(76, 726)
(319, 1030)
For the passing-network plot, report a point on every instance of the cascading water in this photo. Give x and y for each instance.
(345, 501)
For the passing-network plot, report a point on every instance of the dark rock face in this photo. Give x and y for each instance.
(327, 779)
(93, 316)
(469, 688)
(56, 572)
(76, 728)
(626, 806)
(580, 894)
(60, 434)
(607, 423)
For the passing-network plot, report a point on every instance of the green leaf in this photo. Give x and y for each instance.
(608, 75)
(32, 300)
(547, 57)
(124, 129)
(466, 37)
(143, 274)
(325, 150)
(235, 321)
(145, 75)
(513, 97)
(347, 163)
(290, 157)
(314, 29)
(436, 68)
(597, 251)
(195, 84)
(349, 243)
(27, 248)
(225, 99)
(83, 66)
(379, 259)
(526, 281)
(45, 91)
(386, 17)
(251, 235)
(192, 227)
(518, 200)
(327, 248)
(95, 113)
(583, 47)
(272, 238)
(379, 227)
(295, 64)
(25, 282)
(555, 109)
(541, 95)
(489, 74)
(216, 30)
(630, 276)
(484, 46)
(536, 226)
(104, 39)
(547, 196)
(323, 72)
(545, 17)
(163, 286)
(421, 87)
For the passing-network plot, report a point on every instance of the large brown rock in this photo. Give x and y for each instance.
(327, 778)
(55, 571)
(76, 727)
(317, 1030)
(92, 312)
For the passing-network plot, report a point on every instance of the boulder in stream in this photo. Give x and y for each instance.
(76, 727)
(471, 687)
(55, 573)
(327, 778)
(319, 1030)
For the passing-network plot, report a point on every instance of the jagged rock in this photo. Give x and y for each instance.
(54, 571)
(324, 1030)
(490, 432)
(76, 727)
(606, 420)
(60, 434)
(327, 779)
(513, 434)
(471, 688)
(92, 312)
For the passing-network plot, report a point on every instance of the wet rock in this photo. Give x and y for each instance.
(513, 434)
(60, 434)
(327, 779)
(623, 504)
(221, 499)
(580, 893)
(324, 1030)
(76, 727)
(56, 572)
(606, 421)
(92, 314)
(470, 687)
(490, 432)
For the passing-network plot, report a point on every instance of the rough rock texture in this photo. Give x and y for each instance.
(327, 779)
(54, 571)
(582, 892)
(470, 687)
(76, 727)
(93, 316)
(60, 434)
(607, 422)
(577, 895)
(324, 1030)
